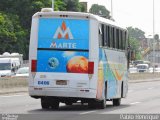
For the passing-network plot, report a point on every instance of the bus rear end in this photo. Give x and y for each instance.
(60, 68)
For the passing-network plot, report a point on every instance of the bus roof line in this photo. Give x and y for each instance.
(79, 14)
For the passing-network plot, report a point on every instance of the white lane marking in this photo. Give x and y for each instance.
(7, 96)
(135, 103)
(87, 112)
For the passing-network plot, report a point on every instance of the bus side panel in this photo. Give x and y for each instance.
(116, 73)
(113, 70)
(33, 46)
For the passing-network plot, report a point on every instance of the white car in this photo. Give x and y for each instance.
(157, 70)
(142, 67)
(151, 70)
(24, 71)
(133, 70)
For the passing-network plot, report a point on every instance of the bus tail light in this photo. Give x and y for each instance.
(90, 67)
(33, 65)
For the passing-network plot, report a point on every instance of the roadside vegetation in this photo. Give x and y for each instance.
(15, 22)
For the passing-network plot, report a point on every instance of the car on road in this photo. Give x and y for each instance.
(157, 70)
(24, 71)
(150, 70)
(142, 67)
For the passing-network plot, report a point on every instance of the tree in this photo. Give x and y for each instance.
(72, 5)
(20, 14)
(136, 33)
(59, 5)
(83, 7)
(99, 10)
(11, 34)
(15, 21)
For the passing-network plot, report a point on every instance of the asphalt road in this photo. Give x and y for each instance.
(142, 98)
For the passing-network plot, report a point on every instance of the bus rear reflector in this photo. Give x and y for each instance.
(33, 65)
(90, 67)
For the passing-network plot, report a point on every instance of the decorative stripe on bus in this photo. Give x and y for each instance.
(78, 50)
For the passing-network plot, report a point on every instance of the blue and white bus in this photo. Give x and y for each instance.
(77, 57)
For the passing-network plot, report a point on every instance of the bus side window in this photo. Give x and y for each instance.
(105, 36)
(100, 36)
(102, 28)
(117, 36)
(113, 37)
(124, 40)
(120, 39)
(108, 36)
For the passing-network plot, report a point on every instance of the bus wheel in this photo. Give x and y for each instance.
(44, 103)
(55, 104)
(102, 104)
(117, 102)
(68, 103)
(92, 104)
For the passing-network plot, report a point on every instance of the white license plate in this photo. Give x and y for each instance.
(61, 82)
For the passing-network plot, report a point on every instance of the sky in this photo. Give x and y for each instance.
(135, 13)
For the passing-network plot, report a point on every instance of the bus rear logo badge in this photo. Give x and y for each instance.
(63, 32)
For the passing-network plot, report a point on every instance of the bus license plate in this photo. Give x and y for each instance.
(61, 82)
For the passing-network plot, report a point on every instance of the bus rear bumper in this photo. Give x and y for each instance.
(62, 92)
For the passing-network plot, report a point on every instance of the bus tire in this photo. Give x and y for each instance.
(68, 103)
(44, 104)
(102, 104)
(55, 104)
(122, 90)
(92, 104)
(116, 102)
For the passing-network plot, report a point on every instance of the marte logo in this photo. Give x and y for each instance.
(63, 32)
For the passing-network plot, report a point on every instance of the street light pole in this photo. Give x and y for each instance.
(53, 5)
(111, 9)
(153, 39)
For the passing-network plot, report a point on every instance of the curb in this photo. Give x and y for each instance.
(13, 92)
